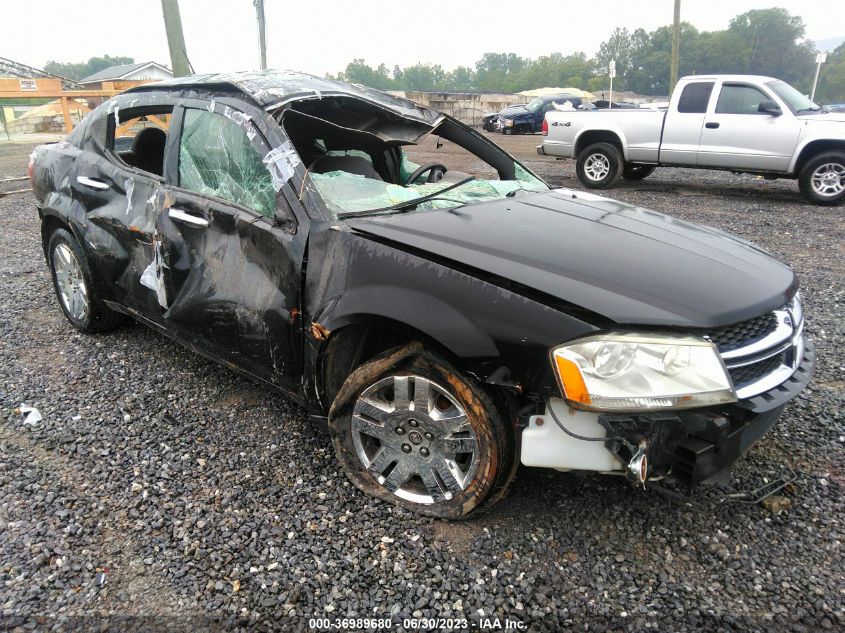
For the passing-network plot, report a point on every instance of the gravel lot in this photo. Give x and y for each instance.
(161, 485)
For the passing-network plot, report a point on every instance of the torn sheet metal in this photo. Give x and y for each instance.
(153, 275)
(281, 163)
(129, 185)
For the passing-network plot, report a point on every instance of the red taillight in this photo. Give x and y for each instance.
(545, 128)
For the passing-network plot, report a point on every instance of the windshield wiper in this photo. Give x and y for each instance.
(814, 109)
(407, 203)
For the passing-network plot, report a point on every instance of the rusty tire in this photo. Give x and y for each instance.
(493, 464)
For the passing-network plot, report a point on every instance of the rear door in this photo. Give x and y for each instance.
(683, 124)
(120, 198)
(737, 135)
(230, 247)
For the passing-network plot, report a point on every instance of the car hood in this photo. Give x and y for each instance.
(514, 110)
(628, 264)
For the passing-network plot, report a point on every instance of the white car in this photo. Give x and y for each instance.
(740, 123)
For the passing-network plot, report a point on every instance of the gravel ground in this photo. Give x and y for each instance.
(161, 485)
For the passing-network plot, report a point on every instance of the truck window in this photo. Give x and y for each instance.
(739, 99)
(217, 158)
(695, 97)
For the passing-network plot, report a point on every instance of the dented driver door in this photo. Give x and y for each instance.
(229, 258)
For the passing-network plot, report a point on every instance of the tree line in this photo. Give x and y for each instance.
(81, 70)
(762, 41)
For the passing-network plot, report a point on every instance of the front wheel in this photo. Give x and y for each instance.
(634, 171)
(409, 429)
(822, 179)
(599, 165)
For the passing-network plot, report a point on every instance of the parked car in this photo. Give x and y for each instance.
(528, 118)
(447, 328)
(489, 120)
(741, 123)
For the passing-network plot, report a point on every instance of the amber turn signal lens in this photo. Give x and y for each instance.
(573, 382)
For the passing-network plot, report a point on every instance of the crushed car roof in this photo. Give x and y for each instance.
(271, 88)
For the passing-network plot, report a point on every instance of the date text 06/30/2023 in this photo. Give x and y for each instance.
(420, 624)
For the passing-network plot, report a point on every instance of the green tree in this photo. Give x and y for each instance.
(424, 77)
(831, 86)
(626, 49)
(762, 42)
(84, 69)
(498, 72)
(769, 42)
(359, 72)
(462, 79)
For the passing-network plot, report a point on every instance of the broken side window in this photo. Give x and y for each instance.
(138, 139)
(217, 158)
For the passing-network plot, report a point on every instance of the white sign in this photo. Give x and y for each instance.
(612, 66)
(612, 73)
(821, 58)
(29, 85)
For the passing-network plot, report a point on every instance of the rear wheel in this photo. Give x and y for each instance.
(822, 179)
(598, 165)
(634, 171)
(74, 285)
(407, 428)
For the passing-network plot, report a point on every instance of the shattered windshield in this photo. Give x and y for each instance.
(361, 159)
(347, 193)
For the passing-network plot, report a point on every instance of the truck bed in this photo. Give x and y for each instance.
(640, 130)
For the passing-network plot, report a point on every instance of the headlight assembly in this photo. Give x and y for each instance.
(631, 372)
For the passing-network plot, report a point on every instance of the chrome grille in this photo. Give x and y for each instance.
(741, 334)
(746, 374)
(763, 352)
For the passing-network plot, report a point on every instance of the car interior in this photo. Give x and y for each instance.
(139, 141)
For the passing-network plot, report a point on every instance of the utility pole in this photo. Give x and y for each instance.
(676, 44)
(175, 37)
(262, 32)
(821, 58)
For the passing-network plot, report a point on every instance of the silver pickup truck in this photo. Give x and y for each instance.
(740, 123)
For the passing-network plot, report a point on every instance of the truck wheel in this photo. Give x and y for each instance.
(409, 429)
(76, 291)
(822, 179)
(599, 165)
(633, 171)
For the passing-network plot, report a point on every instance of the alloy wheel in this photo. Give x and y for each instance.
(70, 281)
(597, 167)
(414, 437)
(828, 179)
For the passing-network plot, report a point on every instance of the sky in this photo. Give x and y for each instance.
(323, 36)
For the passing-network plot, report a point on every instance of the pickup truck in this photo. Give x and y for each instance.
(741, 123)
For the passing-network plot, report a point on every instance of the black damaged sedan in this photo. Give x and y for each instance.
(448, 326)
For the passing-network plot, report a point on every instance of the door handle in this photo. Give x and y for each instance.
(711, 125)
(187, 218)
(99, 185)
